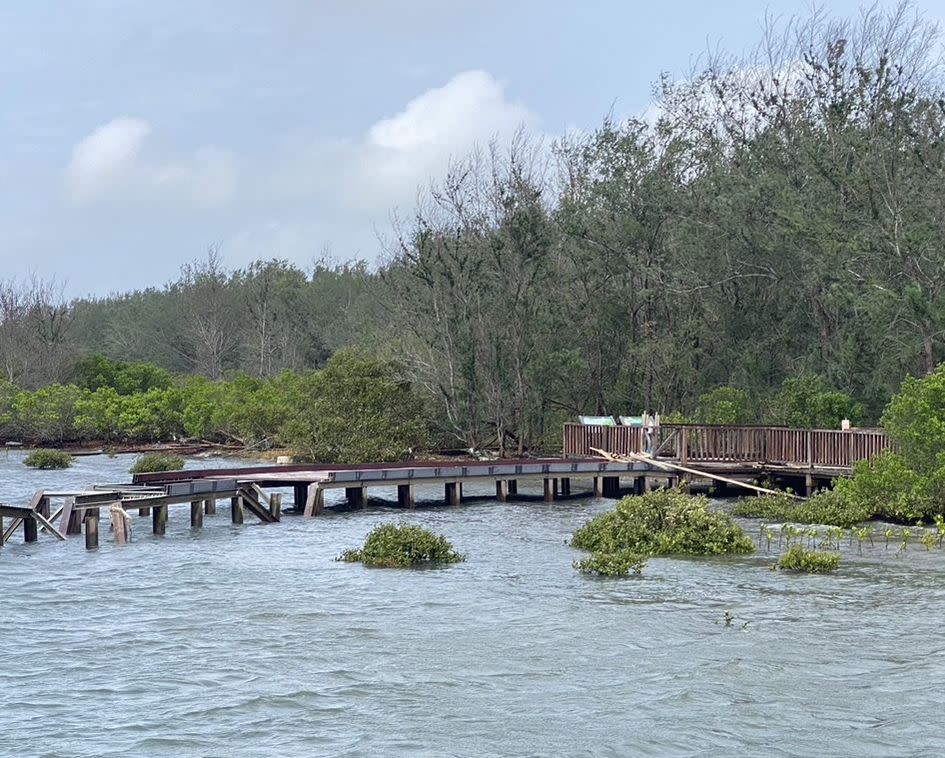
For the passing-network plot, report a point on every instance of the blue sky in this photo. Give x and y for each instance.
(133, 135)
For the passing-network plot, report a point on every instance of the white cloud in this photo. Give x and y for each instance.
(415, 145)
(121, 164)
(106, 156)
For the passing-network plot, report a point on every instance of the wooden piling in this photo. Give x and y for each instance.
(121, 524)
(91, 529)
(513, 487)
(598, 486)
(143, 511)
(236, 510)
(356, 497)
(159, 519)
(639, 485)
(196, 514)
(502, 490)
(275, 505)
(300, 494)
(551, 489)
(30, 529)
(314, 502)
(405, 496)
(565, 486)
(210, 506)
(451, 493)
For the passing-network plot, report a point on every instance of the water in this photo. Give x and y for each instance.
(252, 641)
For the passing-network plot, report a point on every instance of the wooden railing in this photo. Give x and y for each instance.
(808, 448)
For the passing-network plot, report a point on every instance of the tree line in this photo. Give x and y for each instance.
(779, 224)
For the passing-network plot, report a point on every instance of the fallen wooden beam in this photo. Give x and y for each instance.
(634, 457)
(47, 525)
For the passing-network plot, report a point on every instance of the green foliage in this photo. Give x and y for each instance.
(48, 414)
(146, 464)
(796, 558)
(825, 507)
(358, 409)
(48, 459)
(95, 372)
(725, 405)
(620, 563)
(402, 545)
(662, 522)
(915, 419)
(806, 402)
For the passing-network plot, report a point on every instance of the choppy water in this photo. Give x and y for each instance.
(252, 641)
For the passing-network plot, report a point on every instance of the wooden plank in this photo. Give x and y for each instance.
(695, 472)
(48, 526)
(64, 523)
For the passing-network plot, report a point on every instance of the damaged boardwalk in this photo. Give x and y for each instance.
(608, 460)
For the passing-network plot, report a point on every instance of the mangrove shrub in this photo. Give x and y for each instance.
(796, 558)
(147, 464)
(48, 459)
(402, 545)
(661, 522)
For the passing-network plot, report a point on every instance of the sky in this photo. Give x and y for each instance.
(136, 134)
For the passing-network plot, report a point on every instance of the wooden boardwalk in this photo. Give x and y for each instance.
(804, 459)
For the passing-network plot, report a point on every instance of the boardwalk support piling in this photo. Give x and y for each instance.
(121, 524)
(355, 497)
(551, 489)
(502, 490)
(196, 514)
(314, 501)
(405, 496)
(275, 505)
(91, 529)
(159, 519)
(210, 507)
(236, 510)
(451, 493)
(30, 529)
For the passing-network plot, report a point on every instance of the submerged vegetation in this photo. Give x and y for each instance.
(403, 545)
(796, 558)
(619, 563)
(660, 522)
(147, 464)
(48, 459)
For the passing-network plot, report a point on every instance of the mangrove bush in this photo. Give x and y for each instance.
(48, 459)
(403, 545)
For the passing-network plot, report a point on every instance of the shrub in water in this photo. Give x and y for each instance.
(148, 464)
(402, 545)
(796, 558)
(832, 507)
(621, 563)
(663, 522)
(48, 459)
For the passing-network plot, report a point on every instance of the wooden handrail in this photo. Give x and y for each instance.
(810, 448)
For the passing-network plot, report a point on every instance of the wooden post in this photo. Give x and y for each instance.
(210, 506)
(513, 487)
(236, 509)
(314, 501)
(452, 493)
(565, 486)
(502, 490)
(598, 486)
(196, 514)
(91, 529)
(355, 496)
(405, 496)
(275, 505)
(71, 520)
(143, 511)
(683, 446)
(300, 494)
(159, 519)
(639, 485)
(119, 521)
(551, 489)
(30, 529)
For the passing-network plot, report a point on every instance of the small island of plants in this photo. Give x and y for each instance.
(796, 558)
(48, 459)
(403, 545)
(152, 463)
(661, 522)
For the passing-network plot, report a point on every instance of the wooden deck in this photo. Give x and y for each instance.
(824, 453)
(802, 458)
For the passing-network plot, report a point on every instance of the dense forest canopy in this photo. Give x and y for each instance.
(778, 227)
